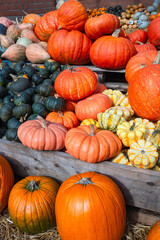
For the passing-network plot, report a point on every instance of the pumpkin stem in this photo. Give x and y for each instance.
(60, 113)
(142, 151)
(142, 66)
(13, 77)
(139, 42)
(32, 186)
(24, 12)
(116, 33)
(132, 126)
(56, 95)
(157, 59)
(42, 121)
(72, 69)
(92, 130)
(155, 132)
(85, 181)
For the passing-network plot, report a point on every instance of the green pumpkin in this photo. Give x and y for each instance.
(51, 65)
(45, 90)
(29, 91)
(19, 84)
(29, 71)
(6, 112)
(64, 67)
(8, 99)
(37, 79)
(3, 91)
(18, 67)
(43, 71)
(32, 117)
(38, 98)
(54, 75)
(1, 102)
(4, 81)
(22, 111)
(55, 103)
(5, 70)
(13, 123)
(48, 82)
(2, 132)
(8, 86)
(22, 97)
(39, 109)
(11, 135)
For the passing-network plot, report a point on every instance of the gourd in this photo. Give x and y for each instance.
(143, 24)
(24, 41)
(122, 158)
(55, 103)
(155, 136)
(113, 94)
(143, 18)
(89, 122)
(143, 154)
(150, 126)
(122, 100)
(31, 18)
(121, 111)
(151, 9)
(39, 109)
(136, 16)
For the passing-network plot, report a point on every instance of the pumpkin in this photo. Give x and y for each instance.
(75, 83)
(47, 25)
(153, 32)
(155, 136)
(144, 92)
(72, 15)
(67, 118)
(143, 154)
(89, 122)
(40, 134)
(15, 53)
(39, 109)
(92, 105)
(150, 126)
(154, 233)
(102, 25)
(89, 144)
(138, 35)
(141, 47)
(72, 208)
(7, 182)
(130, 132)
(122, 100)
(31, 204)
(122, 158)
(35, 53)
(23, 26)
(70, 105)
(113, 94)
(6, 112)
(45, 90)
(19, 83)
(112, 52)
(121, 111)
(61, 50)
(100, 88)
(31, 18)
(22, 111)
(134, 63)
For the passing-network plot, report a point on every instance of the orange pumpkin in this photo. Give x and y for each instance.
(141, 47)
(152, 17)
(67, 118)
(92, 105)
(70, 105)
(40, 134)
(100, 88)
(89, 144)
(6, 182)
(154, 233)
(154, 32)
(93, 205)
(31, 18)
(31, 204)
(138, 35)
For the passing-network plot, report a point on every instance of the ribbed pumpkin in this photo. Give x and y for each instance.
(138, 35)
(7, 182)
(121, 111)
(144, 92)
(67, 118)
(100, 88)
(155, 136)
(153, 32)
(141, 47)
(40, 134)
(122, 158)
(70, 105)
(134, 63)
(69, 47)
(92, 105)
(47, 25)
(72, 15)
(113, 94)
(92, 200)
(112, 52)
(99, 26)
(75, 83)
(122, 101)
(150, 126)
(31, 204)
(89, 144)
(154, 233)
(31, 18)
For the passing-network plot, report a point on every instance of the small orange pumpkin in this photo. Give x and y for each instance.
(31, 18)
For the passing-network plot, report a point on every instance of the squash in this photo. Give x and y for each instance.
(100, 88)
(45, 90)
(6, 21)
(113, 94)
(40, 134)
(19, 84)
(39, 109)
(85, 143)
(130, 132)
(89, 122)
(155, 136)
(3, 91)
(22, 97)
(15, 53)
(13, 123)
(22, 111)
(122, 101)
(55, 103)
(144, 47)
(43, 71)
(24, 41)
(31, 204)
(154, 233)
(37, 78)
(153, 32)
(35, 53)
(138, 35)
(11, 135)
(31, 18)
(122, 158)
(6, 112)
(14, 32)
(81, 208)
(38, 98)
(143, 154)
(28, 70)
(6, 41)
(28, 33)
(150, 126)
(18, 67)
(52, 66)
(121, 111)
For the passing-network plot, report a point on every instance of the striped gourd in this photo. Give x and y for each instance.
(150, 126)
(130, 132)
(89, 122)
(121, 111)
(122, 100)
(155, 136)
(122, 158)
(113, 94)
(143, 154)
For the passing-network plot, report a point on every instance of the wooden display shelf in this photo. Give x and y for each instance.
(141, 188)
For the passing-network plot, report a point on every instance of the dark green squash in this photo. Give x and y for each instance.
(18, 67)
(8, 99)
(3, 81)
(38, 98)
(3, 92)
(5, 70)
(22, 97)
(29, 91)
(1, 102)
(29, 71)
(51, 65)
(19, 84)
(48, 82)
(13, 123)
(39, 109)
(42, 71)
(2, 132)
(8, 86)
(54, 75)
(22, 111)
(3, 29)
(64, 67)
(11, 135)
(37, 79)
(10, 93)
(45, 90)
(55, 103)
(32, 117)
(6, 112)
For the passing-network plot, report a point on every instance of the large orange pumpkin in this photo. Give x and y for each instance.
(47, 25)
(69, 47)
(75, 83)
(146, 58)
(31, 204)
(138, 35)
(144, 47)
(40, 134)
(92, 105)
(144, 92)
(70, 105)
(72, 15)
(104, 24)
(31, 18)
(67, 118)
(6, 182)
(154, 233)
(111, 52)
(154, 32)
(93, 205)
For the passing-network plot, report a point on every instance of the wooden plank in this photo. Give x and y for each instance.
(141, 188)
(96, 69)
(117, 86)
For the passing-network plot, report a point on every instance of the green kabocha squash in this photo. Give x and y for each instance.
(38, 98)
(22, 111)
(1, 102)
(45, 90)
(11, 135)
(39, 109)
(55, 103)
(8, 86)
(22, 97)
(5, 70)
(48, 82)
(4, 80)
(13, 123)
(32, 117)
(43, 71)
(64, 67)
(51, 65)
(155, 136)
(19, 84)
(37, 79)
(6, 112)
(2, 132)
(18, 67)
(54, 75)
(8, 99)
(3, 92)
(29, 91)
(29, 71)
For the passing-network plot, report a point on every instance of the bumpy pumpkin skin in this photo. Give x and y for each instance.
(92, 146)
(93, 209)
(144, 92)
(47, 25)
(32, 209)
(6, 183)
(69, 47)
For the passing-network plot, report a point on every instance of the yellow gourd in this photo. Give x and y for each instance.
(122, 100)
(113, 94)
(89, 122)
(121, 111)
(122, 158)
(150, 126)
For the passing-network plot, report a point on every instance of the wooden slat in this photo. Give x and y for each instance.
(117, 86)
(96, 69)
(141, 188)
